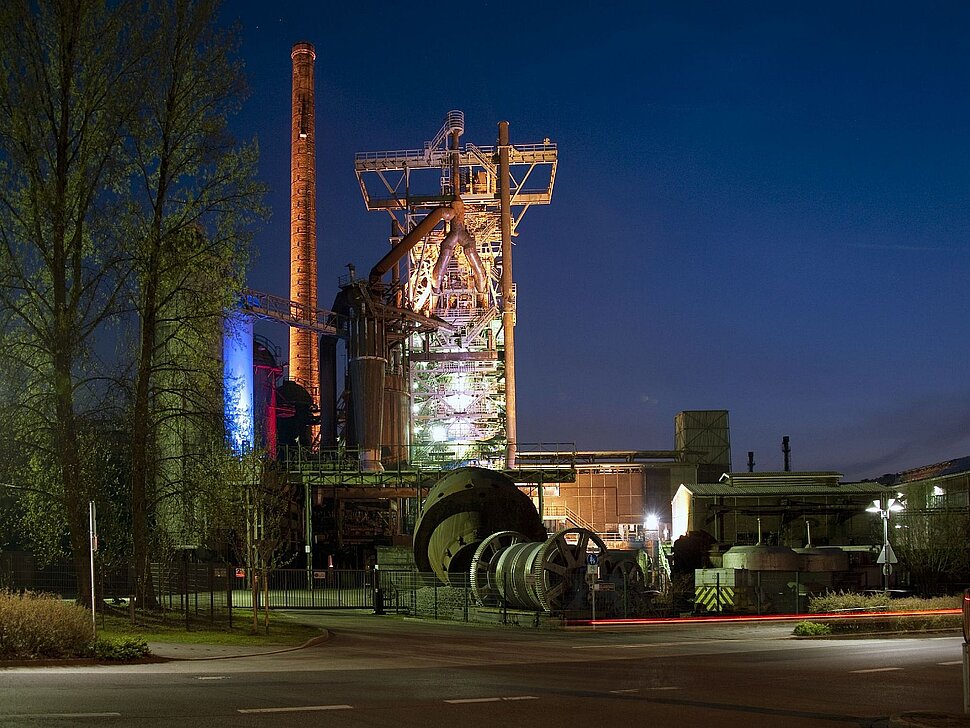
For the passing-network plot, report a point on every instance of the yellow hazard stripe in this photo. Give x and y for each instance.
(712, 598)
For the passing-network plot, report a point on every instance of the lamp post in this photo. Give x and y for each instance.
(886, 557)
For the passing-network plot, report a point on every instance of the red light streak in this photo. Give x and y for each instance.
(756, 618)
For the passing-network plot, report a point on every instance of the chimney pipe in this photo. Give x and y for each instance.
(750, 461)
(304, 354)
(786, 449)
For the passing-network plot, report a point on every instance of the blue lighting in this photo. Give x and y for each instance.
(237, 357)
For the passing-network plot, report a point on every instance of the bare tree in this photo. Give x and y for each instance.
(932, 544)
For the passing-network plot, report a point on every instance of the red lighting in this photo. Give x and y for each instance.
(756, 618)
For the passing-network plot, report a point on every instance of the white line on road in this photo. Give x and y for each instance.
(64, 715)
(491, 700)
(877, 669)
(212, 677)
(951, 662)
(295, 709)
(628, 690)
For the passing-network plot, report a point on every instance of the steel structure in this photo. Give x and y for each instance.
(462, 380)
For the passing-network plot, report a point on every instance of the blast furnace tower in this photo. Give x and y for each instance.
(304, 354)
(462, 377)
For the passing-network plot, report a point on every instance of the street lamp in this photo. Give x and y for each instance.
(886, 557)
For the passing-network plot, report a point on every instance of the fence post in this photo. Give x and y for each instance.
(230, 575)
(212, 596)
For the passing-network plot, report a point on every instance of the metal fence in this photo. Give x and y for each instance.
(199, 592)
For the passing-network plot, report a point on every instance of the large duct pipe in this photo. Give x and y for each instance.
(456, 209)
(458, 237)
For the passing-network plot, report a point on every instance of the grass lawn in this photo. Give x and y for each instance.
(170, 627)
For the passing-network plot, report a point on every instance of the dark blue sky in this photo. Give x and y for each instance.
(760, 207)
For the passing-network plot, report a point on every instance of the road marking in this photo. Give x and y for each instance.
(212, 677)
(628, 690)
(951, 662)
(877, 669)
(295, 709)
(650, 644)
(491, 700)
(65, 715)
(670, 687)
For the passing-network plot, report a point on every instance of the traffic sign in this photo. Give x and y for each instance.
(887, 556)
(592, 559)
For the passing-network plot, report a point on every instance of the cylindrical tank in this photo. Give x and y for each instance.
(396, 430)
(461, 510)
(366, 365)
(328, 391)
(761, 558)
(823, 558)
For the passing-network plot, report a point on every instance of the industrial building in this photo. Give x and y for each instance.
(411, 373)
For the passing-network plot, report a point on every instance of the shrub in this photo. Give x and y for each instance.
(41, 625)
(846, 601)
(125, 649)
(811, 629)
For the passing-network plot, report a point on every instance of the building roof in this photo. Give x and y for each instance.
(787, 479)
(781, 489)
(937, 470)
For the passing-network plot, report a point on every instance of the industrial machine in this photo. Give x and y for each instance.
(479, 528)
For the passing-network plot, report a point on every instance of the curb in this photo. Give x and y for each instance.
(928, 719)
(312, 642)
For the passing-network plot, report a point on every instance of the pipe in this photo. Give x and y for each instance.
(508, 307)
(459, 237)
(454, 210)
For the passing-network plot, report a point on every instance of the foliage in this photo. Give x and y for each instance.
(188, 243)
(852, 601)
(811, 629)
(932, 545)
(124, 649)
(907, 623)
(41, 625)
(66, 84)
(125, 214)
(251, 502)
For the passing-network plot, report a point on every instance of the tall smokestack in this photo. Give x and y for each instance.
(786, 449)
(304, 355)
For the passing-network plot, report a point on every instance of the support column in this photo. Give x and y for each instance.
(508, 304)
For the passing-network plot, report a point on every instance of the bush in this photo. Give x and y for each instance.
(811, 629)
(125, 649)
(41, 625)
(848, 601)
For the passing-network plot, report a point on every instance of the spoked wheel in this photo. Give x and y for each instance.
(560, 567)
(484, 562)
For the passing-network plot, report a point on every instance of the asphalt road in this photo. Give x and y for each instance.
(389, 672)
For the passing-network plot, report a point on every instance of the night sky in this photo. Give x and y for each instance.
(759, 207)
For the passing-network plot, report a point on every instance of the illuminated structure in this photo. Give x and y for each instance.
(462, 377)
(238, 378)
(304, 354)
